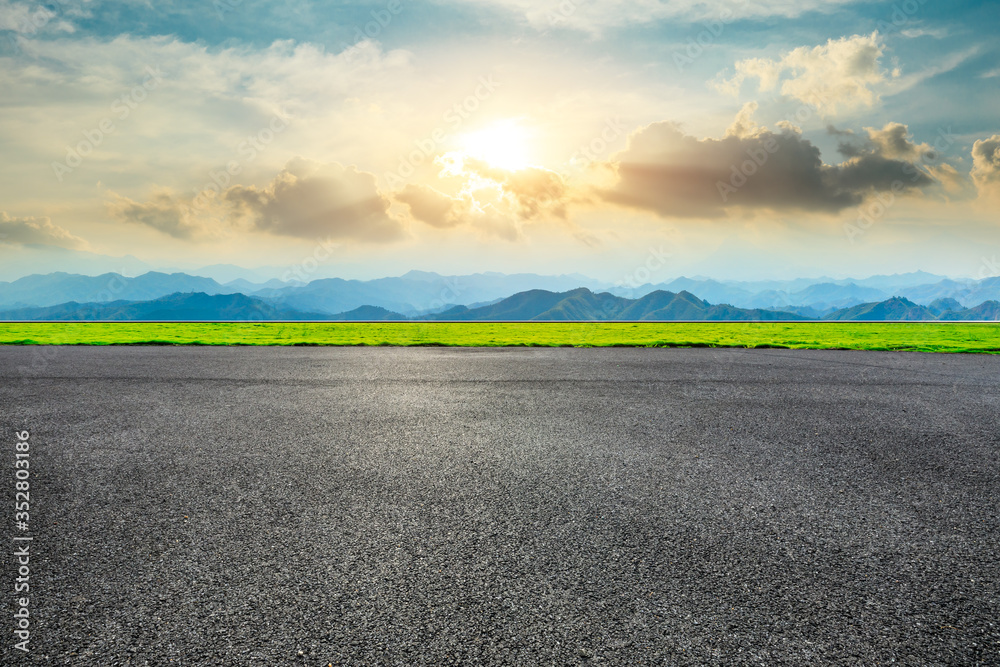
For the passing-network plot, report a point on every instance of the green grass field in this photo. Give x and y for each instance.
(921, 337)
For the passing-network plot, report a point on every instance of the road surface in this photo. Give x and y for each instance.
(429, 506)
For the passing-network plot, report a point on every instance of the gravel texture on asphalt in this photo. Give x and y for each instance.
(431, 506)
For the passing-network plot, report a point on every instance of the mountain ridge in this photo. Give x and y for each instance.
(577, 305)
(423, 293)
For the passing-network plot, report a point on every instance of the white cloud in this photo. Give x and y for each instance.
(843, 74)
(943, 64)
(936, 33)
(312, 200)
(210, 106)
(285, 75)
(495, 202)
(986, 167)
(30, 19)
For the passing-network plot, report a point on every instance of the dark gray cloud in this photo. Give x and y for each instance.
(892, 141)
(677, 175)
(306, 200)
(163, 212)
(869, 173)
(312, 200)
(848, 144)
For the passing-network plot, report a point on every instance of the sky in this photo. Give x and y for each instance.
(615, 139)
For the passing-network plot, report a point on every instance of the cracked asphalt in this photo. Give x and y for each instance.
(436, 506)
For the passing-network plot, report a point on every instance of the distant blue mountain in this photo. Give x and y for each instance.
(822, 295)
(367, 314)
(416, 291)
(895, 309)
(831, 295)
(988, 311)
(534, 305)
(175, 307)
(57, 288)
(420, 293)
(583, 305)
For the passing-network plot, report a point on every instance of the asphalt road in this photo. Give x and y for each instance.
(383, 506)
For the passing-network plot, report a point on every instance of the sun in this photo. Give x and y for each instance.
(504, 145)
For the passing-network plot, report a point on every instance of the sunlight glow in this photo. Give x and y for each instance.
(504, 145)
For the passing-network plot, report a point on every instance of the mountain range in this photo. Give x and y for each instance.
(196, 306)
(579, 304)
(418, 292)
(493, 296)
(583, 305)
(413, 293)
